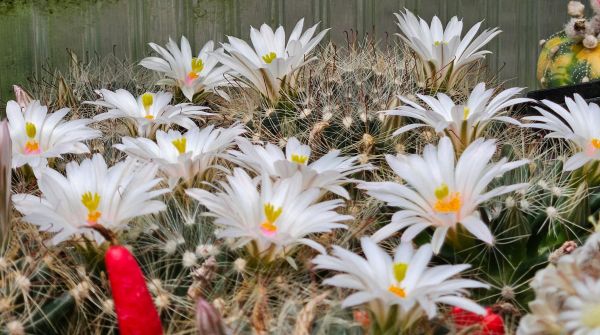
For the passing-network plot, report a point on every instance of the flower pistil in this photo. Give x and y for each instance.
(91, 202)
(268, 227)
(299, 159)
(268, 58)
(31, 146)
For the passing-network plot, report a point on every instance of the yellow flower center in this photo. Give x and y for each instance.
(91, 202)
(397, 291)
(180, 144)
(299, 159)
(446, 202)
(268, 227)
(466, 112)
(31, 146)
(591, 316)
(268, 58)
(596, 143)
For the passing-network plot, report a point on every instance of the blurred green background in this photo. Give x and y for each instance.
(35, 34)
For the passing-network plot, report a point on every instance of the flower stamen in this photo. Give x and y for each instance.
(197, 67)
(595, 143)
(31, 146)
(398, 291)
(446, 202)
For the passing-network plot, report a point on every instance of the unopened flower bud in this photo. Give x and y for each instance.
(590, 42)
(208, 319)
(575, 9)
(21, 96)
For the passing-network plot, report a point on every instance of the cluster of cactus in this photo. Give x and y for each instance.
(337, 104)
(572, 56)
(200, 284)
(341, 101)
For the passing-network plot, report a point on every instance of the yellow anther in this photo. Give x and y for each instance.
(268, 58)
(450, 205)
(147, 100)
(91, 202)
(149, 117)
(299, 159)
(268, 228)
(596, 143)
(400, 271)
(32, 147)
(437, 43)
(30, 129)
(397, 291)
(180, 144)
(197, 65)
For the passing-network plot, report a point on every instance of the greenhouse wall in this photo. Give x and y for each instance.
(36, 34)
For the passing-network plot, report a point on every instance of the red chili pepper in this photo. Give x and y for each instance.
(490, 323)
(135, 309)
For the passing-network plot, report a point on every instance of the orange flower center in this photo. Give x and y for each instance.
(32, 147)
(93, 217)
(596, 143)
(268, 228)
(447, 202)
(192, 76)
(451, 204)
(397, 291)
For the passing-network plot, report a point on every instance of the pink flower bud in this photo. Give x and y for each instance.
(23, 98)
(208, 319)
